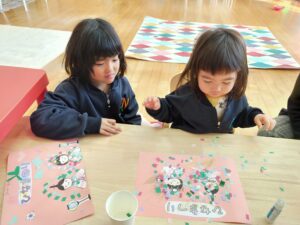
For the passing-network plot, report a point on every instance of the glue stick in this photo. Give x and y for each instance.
(275, 211)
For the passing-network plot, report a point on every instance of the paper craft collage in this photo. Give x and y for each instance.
(50, 175)
(190, 188)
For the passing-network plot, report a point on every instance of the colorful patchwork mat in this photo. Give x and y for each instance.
(172, 41)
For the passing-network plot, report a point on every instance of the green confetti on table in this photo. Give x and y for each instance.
(281, 189)
(271, 152)
(128, 214)
(186, 223)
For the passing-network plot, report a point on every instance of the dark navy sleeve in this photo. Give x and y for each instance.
(58, 116)
(129, 106)
(294, 108)
(246, 117)
(164, 114)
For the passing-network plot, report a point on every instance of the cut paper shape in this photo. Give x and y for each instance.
(14, 174)
(73, 205)
(172, 41)
(37, 162)
(24, 196)
(190, 188)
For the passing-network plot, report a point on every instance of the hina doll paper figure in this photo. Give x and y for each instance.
(76, 181)
(73, 156)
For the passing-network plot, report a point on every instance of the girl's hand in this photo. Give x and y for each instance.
(152, 103)
(109, 127)
(263, 120)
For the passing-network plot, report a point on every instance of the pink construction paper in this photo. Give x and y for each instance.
(32, 195)
(190, 188)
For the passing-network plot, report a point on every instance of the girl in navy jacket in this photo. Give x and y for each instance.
(288, 121)
(96, 96)
(213, 96)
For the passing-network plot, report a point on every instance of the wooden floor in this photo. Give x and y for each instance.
(267, 89)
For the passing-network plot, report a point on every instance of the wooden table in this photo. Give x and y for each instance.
(111, 164)
(19, 88)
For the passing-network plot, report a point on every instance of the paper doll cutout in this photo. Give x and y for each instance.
(79, 180)
(72, 157)
(175, 184)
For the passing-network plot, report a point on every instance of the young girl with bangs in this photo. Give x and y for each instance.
(210, 95)
(96, 96)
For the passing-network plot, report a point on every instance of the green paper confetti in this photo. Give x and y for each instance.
(157, 190)
(222, 183)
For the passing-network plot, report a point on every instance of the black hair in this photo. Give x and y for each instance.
(91, 40)
(59, 185)
(218, 51)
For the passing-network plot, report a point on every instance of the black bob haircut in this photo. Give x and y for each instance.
(91, 40)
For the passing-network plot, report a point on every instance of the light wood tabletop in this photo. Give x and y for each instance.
(111, 165)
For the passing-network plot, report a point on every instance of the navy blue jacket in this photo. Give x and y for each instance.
(193, 112)
(75, 109)
(293, 109)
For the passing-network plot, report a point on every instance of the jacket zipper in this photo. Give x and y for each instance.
(108, 100)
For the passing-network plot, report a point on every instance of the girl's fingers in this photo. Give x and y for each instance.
(103, 132)
(258, 123)
(111, 121)
(112, 129)
(266, 124)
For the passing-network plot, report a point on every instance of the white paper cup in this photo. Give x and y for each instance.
(121, 207)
